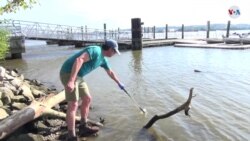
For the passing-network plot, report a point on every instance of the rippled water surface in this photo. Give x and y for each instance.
(159, 79)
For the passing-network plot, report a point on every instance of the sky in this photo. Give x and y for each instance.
(118, 13)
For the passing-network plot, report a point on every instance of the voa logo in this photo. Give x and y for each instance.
(234, 12)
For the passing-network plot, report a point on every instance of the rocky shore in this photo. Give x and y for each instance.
(17, 93)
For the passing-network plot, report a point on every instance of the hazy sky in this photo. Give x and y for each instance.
(118, 13)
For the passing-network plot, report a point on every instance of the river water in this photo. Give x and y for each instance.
(159, 78)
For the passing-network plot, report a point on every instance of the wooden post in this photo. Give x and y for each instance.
(148, 32)
(86, 32)
(182, 31)
(144, 32)
(153, 32)
(136, 34)
(208, 28)
(118, 33)
(228, 28)
(105, 32)
(166, 30)
(82, 32)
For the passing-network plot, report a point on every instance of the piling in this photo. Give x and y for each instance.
(17, 47)
(82, 32)
(228, 28)
(105, 32)
(136, 34)
(208, 28)
(166, 30)
(182, 31)
(153, 32)
(86, 32)
(118, 32)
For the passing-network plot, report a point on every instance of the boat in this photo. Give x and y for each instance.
(214, 40)
(233, 40)
(246, 41)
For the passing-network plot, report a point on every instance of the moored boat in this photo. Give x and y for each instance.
(246, 40)
(214, 40)
(232, 40)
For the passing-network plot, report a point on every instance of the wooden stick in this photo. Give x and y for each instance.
(185, 107)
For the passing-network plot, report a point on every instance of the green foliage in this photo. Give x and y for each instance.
(9, 6)
(13, 5)
(4, 44)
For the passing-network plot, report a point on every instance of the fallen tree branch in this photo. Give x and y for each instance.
(185, 107)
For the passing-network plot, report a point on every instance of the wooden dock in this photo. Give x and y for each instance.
(156, 42)
(215, 46)
(188, 43)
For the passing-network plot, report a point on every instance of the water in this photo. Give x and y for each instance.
(159, 79)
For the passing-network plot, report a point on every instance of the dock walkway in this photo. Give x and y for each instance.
(192, 43)
(215, 46)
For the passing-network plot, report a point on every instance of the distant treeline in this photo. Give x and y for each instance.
(213, 27)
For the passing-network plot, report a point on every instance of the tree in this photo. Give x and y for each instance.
(10, 6)
(4, 45)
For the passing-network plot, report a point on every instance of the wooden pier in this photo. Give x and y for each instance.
(185, 43)
(138, 38)
(215, 46)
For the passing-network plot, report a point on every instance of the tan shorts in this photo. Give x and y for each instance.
(81, 87)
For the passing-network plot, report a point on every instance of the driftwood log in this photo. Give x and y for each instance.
(185, 107)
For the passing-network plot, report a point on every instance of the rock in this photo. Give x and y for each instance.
(9, 86)
(26, 137)
(1, 103)
(54, 122)
(18, 106)
(6, 100)
(13, 73)
(7, 94)
(36, 82)
(8, 77)
(41, 127)
(6, 90)
(19, 98)
(27, 92)
(2, 72)
(21, 77)
(15, 70)
(37, 93)
(16, 82)
(3, 113)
